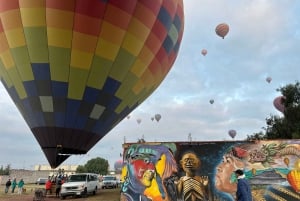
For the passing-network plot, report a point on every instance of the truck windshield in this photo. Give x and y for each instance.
(74, 178)
(109, 178)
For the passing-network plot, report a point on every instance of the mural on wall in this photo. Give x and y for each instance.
(203, 171)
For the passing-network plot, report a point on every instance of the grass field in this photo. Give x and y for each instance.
(102, 195)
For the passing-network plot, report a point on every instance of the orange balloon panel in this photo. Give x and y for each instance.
(293, 178)
(75, 68)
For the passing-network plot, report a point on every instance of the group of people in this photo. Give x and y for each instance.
(57, 181)
(13, 184)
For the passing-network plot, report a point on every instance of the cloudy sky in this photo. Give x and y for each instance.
(263, 41)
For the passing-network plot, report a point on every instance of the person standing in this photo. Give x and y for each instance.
(13, 185)
(57, 186)
(20, 186)
(7, 185)
(48, 186)
(243, 192)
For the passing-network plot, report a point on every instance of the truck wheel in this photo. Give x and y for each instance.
(85, 193)
(94, 192)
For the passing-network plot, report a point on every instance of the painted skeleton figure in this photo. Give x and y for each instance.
(192, 187)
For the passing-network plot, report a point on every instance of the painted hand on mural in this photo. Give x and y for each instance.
(204, 180)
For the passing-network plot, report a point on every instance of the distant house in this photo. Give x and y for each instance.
(67, 169)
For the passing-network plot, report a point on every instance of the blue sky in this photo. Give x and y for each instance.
(263, 41)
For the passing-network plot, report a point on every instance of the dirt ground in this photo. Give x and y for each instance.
(102, 195)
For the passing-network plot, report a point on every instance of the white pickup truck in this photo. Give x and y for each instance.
(80, 184)
(109, 182)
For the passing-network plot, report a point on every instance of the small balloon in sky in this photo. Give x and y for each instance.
(222, 30)
(232, 133)
(139, 121)
(268, 79)
(204, 52)
(211, 101)
(157, 117)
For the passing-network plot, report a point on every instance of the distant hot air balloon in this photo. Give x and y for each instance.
(268, 79)
(76, 68)
(118, 165)
(128, 117)
(293, 177)
(232, 133)
(139, 121)
(157, 117)
(204, 52)
(286, 161)
(152, 118)
(211, 101)
(278, 103)
(222, 30)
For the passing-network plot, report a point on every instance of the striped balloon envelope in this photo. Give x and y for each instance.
(278, 103)
(76, 68)
(222, 30)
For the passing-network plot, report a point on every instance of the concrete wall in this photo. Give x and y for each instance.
(29, 176)
(174, 169)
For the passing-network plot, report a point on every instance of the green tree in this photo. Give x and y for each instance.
(256, 136)
(287, 126)
(5, 171)
(80, 169)
(96, 165)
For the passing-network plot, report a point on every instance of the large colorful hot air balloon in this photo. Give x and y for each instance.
(222, 30)
(278, 103)
(76, 68)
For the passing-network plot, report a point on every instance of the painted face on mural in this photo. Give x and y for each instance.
(223, 178)
(144, 171)
(190, 162)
